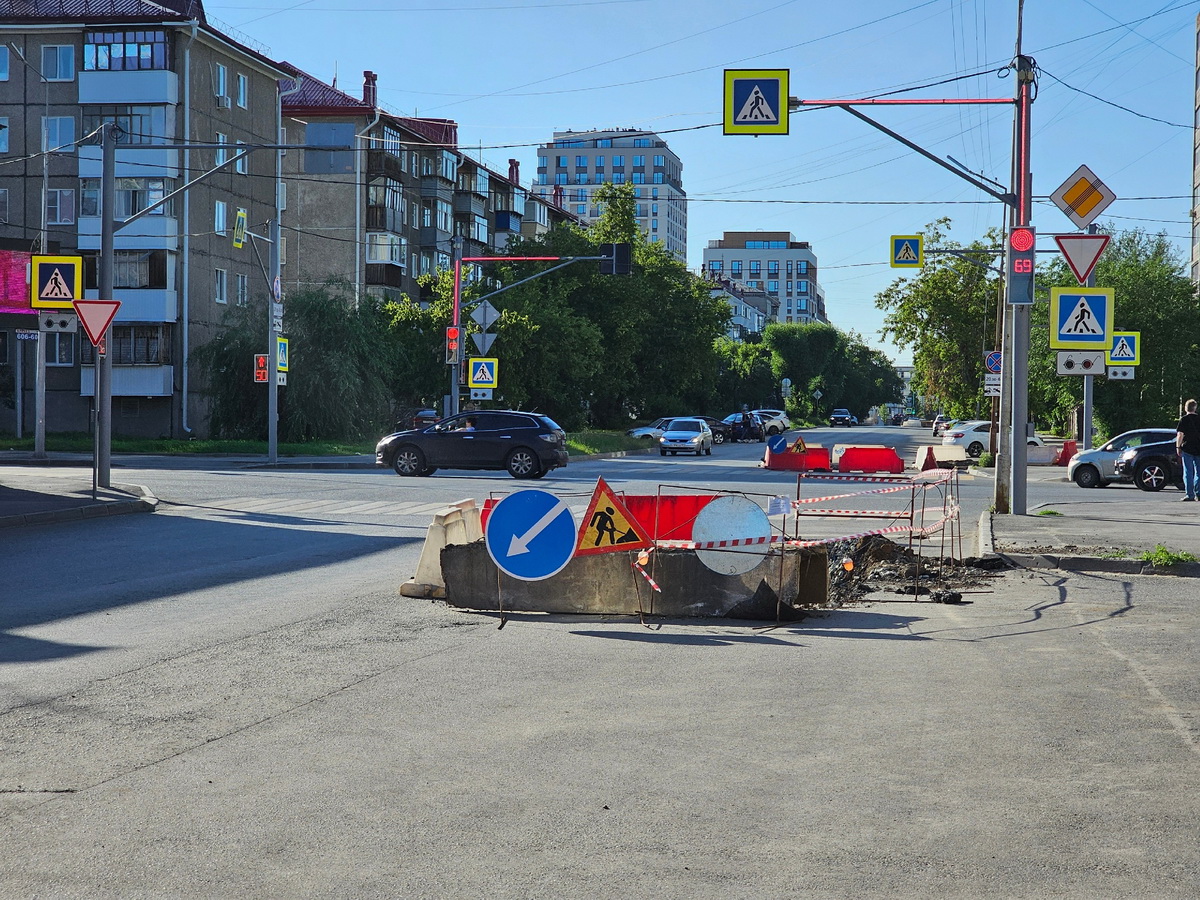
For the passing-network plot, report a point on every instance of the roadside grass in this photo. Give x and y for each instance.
(1161, 557)
(1115, 554)
(580, 443)
(1049, 512)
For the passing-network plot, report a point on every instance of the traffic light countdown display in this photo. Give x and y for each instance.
(453, 345)
(1022, 263)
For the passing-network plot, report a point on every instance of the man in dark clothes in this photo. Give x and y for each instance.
(1187, 442)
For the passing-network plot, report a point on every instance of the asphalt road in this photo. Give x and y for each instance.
(229, 698)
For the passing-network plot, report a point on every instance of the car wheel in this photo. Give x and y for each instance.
(718, 437)
(541, 473)
(1151, 476)
(975, 450)
(409, 461)
(429, 470)
(772, 431)
(523, 463)
(1087, 477)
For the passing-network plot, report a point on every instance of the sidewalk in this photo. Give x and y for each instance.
(62, 492)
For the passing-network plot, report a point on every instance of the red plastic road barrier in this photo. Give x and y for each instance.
(870, 459)
(1064, 455)
(667, 516)
(488, 505)
(811, 459)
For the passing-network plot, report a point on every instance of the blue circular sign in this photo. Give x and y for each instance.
(778, 443)
(531, 535)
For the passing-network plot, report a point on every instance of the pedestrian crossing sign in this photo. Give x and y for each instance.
(55, 282)
(482, 372)
(1081, 318)
(756, 101)
(608, 526)
(908, 251)
(1125, 348)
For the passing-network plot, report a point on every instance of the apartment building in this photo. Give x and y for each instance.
(575, 163)
(774, 262)
(750, 309)
(170, 80)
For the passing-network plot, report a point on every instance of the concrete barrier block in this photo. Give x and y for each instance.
(454, 524)
(1041, 456)
(606, 584)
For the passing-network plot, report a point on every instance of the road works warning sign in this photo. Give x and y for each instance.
(608, 526)
(55, 282)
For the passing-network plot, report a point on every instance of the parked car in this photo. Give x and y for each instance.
(841, 417)
(1098, 467)
(527, 445)
(775, 420)
(940, 423)
(685, 435)
(753, 431)
(420, 419)
(974, 437)
(652, 431)
(719, 427)
(1152, 466)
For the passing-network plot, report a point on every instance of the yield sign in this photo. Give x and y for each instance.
(96, 316)
(1081, 252)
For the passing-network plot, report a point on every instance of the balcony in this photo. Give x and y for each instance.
(131, 381)
(380, 162)
(147, 233)
(143, 304)
(431, 237)
(120, 88)
(380, 218)
(385, 274)
(434, 186)
(148, 161)
(470, 204)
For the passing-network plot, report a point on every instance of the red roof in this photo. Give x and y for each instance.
(18, 11)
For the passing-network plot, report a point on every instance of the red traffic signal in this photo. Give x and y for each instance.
(1021, 239)
(1022, 264)
(453, 345)
(262, 372)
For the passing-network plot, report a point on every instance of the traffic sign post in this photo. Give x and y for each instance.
(756, 101)
(1125, 349)
(1082, 197)
(1081, 318)
(482, 373)
(1082, 252)
(96, 316)
(908, 251)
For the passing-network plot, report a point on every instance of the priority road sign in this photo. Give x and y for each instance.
(1083, 197)
(1125, 349)
(531, 535)
(55, 281)
(756, 101)
(1081, 318)
(482, 373)
(908, 251)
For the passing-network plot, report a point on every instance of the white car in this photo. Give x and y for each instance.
(653, 431)
(974, 437)
(775, 421)
(1098, 466)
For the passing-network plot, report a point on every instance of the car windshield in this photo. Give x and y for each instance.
(685, 425)
(841, 412)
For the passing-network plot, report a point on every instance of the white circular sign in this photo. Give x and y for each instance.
(732, 518)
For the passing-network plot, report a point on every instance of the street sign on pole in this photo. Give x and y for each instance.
(485, 315)
(239, 229)
(908, 251)
(55, 281)
(531, 535)
(1083, 197)
(1125, 349)
(1081, 318)
(1082, 252)
(992, 361)
(756, 101)
(96, 316)
(482, 373)
(1080, 362)
(1121, 373)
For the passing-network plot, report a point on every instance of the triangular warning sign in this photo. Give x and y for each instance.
(96, 316)
(482, 374)
(1122, 351)
(56, 288)
(756, 109)
(906, 252)
(1081, 251)
(608, 526)
(1081, 320)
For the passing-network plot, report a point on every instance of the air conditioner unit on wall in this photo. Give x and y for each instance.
(223, 103)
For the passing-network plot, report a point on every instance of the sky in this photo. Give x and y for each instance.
(512, 72)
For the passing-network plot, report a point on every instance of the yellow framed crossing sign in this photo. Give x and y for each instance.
(756, 101)
(55, 282)
(482, 372)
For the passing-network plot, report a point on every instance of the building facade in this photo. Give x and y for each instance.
(750, 309)
(575, 163)
(185, 97)
(774, 262)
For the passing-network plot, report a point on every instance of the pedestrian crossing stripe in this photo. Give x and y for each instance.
(908, 251)
(1126, 349)
(756, 101)
(55, 282)
(607, 526)
(1081, 318)
(482, 372)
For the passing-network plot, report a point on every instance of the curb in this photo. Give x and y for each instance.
(1098, 565)
(145, 502)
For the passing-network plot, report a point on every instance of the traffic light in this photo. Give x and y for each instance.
(1022, 263)
(261, 371)
(453, 345)
(617, 259)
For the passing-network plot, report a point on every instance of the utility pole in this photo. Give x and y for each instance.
(457, 244)
(1088, 379)
(108, 225)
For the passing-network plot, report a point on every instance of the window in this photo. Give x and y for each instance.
(58, 133)
(618, 178)
(639, 210)
(599, 162)
(221, 286)
(219, 216)
(735, 268)
(660, 160)
(123, 50)
(58, 63)
(140, 269)
(581, 177)
(60, 207)
(243, 90)
(4, 205)
(773, 287)
(135, 345)
(541, 162)
(383, 247)
(560, 178)
(220, 81)
(755, 268)
(3, 134)
(773, 267)
(562, 162)
(243, 289)
(714, 265)
(222, 154)
(639, 177)
(3, 64)
(580, 195)
(658, 178)
(619, 161)
(802, 286)
(445, 215)
(581, 162)
(138, 124)
(802, 267)
(133, 195)
(653, 193)
(604, 142)
(243, 164)
(581, 209)
(639, 161)
(60, 348)
(641, 142)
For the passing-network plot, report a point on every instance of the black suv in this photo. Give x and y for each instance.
(1151, 466)
(527, 445)
(841, 417)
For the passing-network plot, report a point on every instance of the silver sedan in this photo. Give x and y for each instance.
(686, 436)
